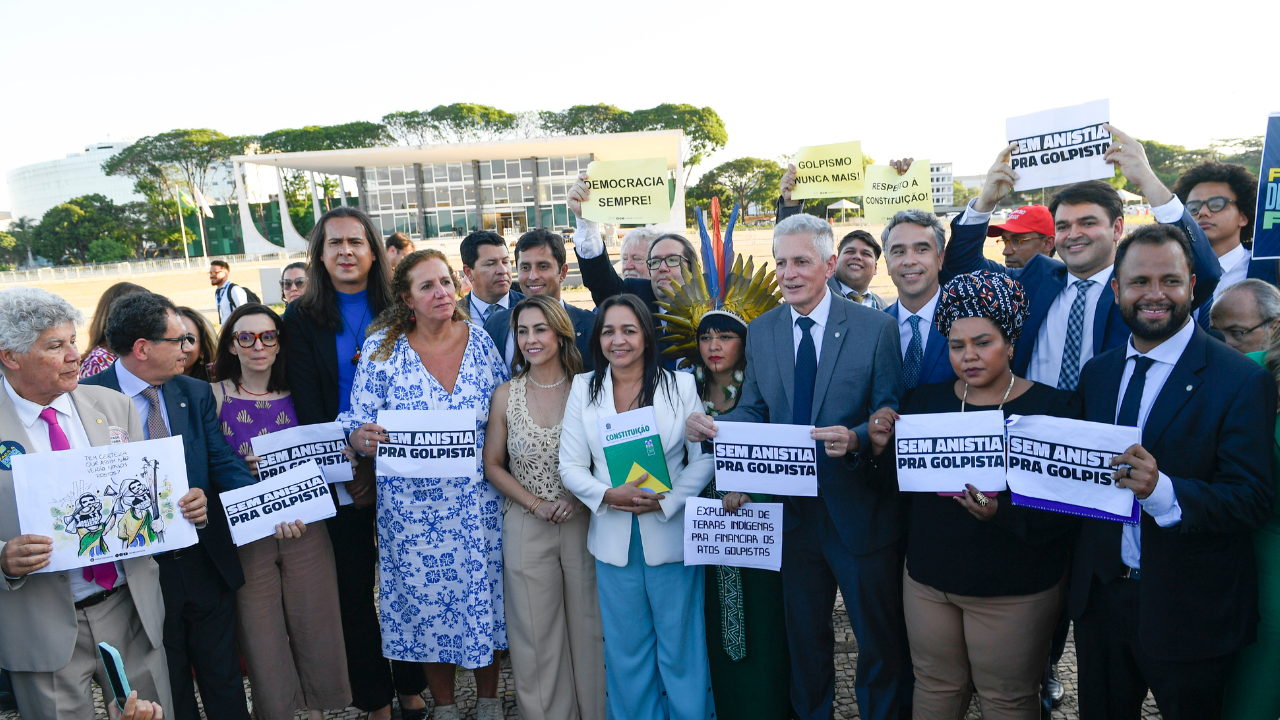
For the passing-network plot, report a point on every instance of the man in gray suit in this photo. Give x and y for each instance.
(845, 363)
(50, 623)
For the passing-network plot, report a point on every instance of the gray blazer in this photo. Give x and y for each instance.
(38, 630)
(859, 372)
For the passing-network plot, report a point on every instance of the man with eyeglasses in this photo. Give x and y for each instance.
(1247, 314)
(1028, 232)
(1222, 198)
(199, 583)
(293, 281)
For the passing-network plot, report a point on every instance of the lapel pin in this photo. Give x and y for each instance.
(1188, 388)
(182, 404)
(837, 334)
(99, 421)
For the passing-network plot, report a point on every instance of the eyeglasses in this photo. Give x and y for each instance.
(722, 337)
(669, 261)
(181, 340)
(299, 283)
(1216, 203)
(1020, 241)
(1241, 334)
(270, 338)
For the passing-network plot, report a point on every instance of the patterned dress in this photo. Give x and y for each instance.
(439, 539)
(242, 420)
(97, 360)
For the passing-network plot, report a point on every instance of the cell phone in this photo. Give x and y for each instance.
(114, 665)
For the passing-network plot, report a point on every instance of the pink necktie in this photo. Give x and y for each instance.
(105, 574)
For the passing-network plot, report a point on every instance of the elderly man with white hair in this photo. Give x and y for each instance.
(634, 252)
(1247, 314)
(53, 621)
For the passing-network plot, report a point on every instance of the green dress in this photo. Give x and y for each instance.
(1253, 693)
(757, 686)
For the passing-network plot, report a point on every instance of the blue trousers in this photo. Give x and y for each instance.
(815, 562)
(655, 639)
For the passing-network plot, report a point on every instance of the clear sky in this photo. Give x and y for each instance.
(908, 78)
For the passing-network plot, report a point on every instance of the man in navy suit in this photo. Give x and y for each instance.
(542, 264)
(487, 264)
(1223, 199)
(199, 582)
(1165, 605)
(825, 361)
(913, 248)
(1074, 315)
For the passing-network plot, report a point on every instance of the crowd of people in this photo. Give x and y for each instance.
(1169, 327)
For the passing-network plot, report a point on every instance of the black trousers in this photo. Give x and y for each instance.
(374, 679)
(200, 634)
(1115, 672)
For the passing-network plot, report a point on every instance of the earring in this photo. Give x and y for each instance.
(412, 317)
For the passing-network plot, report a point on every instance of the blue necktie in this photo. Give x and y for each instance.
(1202, 315)
(1133, 394)
(914, 359)
(806, 375)
(1069, 374)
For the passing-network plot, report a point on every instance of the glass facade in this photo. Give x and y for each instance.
(512, 193)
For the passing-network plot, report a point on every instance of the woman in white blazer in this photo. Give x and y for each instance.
(650, 603)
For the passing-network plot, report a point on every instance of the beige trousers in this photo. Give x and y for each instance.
(998, 645)
(290, 631)
(67, 694)
(553, 617)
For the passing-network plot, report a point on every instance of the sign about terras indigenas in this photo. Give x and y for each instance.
(766, 458)
(633, 449)
(751, 537)
(828, 171)
(104, 504)
(428, 443)
(1060, 146)
(298, 493)
(628, 191)
(284, 449)
(1064, 466)
(941, 452)
(886, 192)
(1266, 230)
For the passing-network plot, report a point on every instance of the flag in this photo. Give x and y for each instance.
(203, 203)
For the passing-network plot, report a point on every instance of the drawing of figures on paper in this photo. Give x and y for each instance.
(105, 503)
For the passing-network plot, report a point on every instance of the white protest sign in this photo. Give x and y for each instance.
(298, 493)
(428, 443)
(1060, 146)
(105, 503)
(1063, 465)
(766, 458)
(941, 452)
(751, 537)
(284, 449)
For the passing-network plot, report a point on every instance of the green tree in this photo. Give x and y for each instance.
(702, 127)
(962, 195)
(586, 120)
(326, 137)
(469, 122)
(10, 254)
(408, 127)
(24, 231)
(105, 249)
(746, 179)
(66, 231)
(1240, 151)
(699, 195)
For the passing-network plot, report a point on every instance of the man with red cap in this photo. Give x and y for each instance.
(1029, 232)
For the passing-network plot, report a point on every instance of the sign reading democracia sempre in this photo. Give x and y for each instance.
(628, 191)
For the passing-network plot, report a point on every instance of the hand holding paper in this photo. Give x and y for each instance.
(787, 184)
(25, 554)
(1131, 157)
(1000, 181)
(195, 507)
(1136, 470)
(880, 428)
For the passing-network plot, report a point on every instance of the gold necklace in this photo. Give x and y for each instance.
(1008, 390)
(557, 383)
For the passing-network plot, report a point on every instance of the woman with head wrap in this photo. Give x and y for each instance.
(984, 578)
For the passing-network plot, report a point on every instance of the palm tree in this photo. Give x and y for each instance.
(24, 230)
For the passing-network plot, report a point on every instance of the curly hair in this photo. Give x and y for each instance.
(1242, 183)
(398, 318)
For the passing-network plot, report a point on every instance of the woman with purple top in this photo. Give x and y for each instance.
(290, 628)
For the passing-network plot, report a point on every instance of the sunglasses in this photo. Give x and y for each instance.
(299, 283)
(1215, 204)
(247, 340)
(669, 261)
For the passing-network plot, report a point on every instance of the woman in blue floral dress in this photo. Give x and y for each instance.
(439, 539)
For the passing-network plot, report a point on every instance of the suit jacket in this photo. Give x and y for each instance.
(311, 362)
(499, 325)
(604, 282)
(585, 472)
(1044, 277)
(211, 464)
(936, 367)
(38, 630)
(513, 297)
(878, 302)
(859, 372)
(1210, 431)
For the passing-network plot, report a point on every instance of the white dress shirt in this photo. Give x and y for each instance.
(132, 386)
(1162, 503)
(819, 316)
(1235, 267)
(480, 307)
(1051, 340)
(38, 434)
(586, 239)
(926, 321)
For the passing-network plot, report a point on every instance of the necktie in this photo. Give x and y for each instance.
(855, 296)
(1202, 315)
(1132, 401)
(914, 359)
(105, 574)
(806, 374)
(1069, 375)
(155, 421)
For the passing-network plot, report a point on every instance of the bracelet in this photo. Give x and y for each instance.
(534, 505)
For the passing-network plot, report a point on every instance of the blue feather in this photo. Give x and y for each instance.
(728, 240)
(708, 256)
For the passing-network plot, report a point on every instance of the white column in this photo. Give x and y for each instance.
(254, 242)
(293, 242)
(315, 197)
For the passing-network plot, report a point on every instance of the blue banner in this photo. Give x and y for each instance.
(1266, 229)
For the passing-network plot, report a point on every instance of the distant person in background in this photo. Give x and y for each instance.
(293, 281)
(398, 245)
(635, 250)
(487, 264)
(228, 296)
(206, 344)
(1028, 232)
(100, 357)
(1247, 314)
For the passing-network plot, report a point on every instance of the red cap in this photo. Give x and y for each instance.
(1028, 218)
